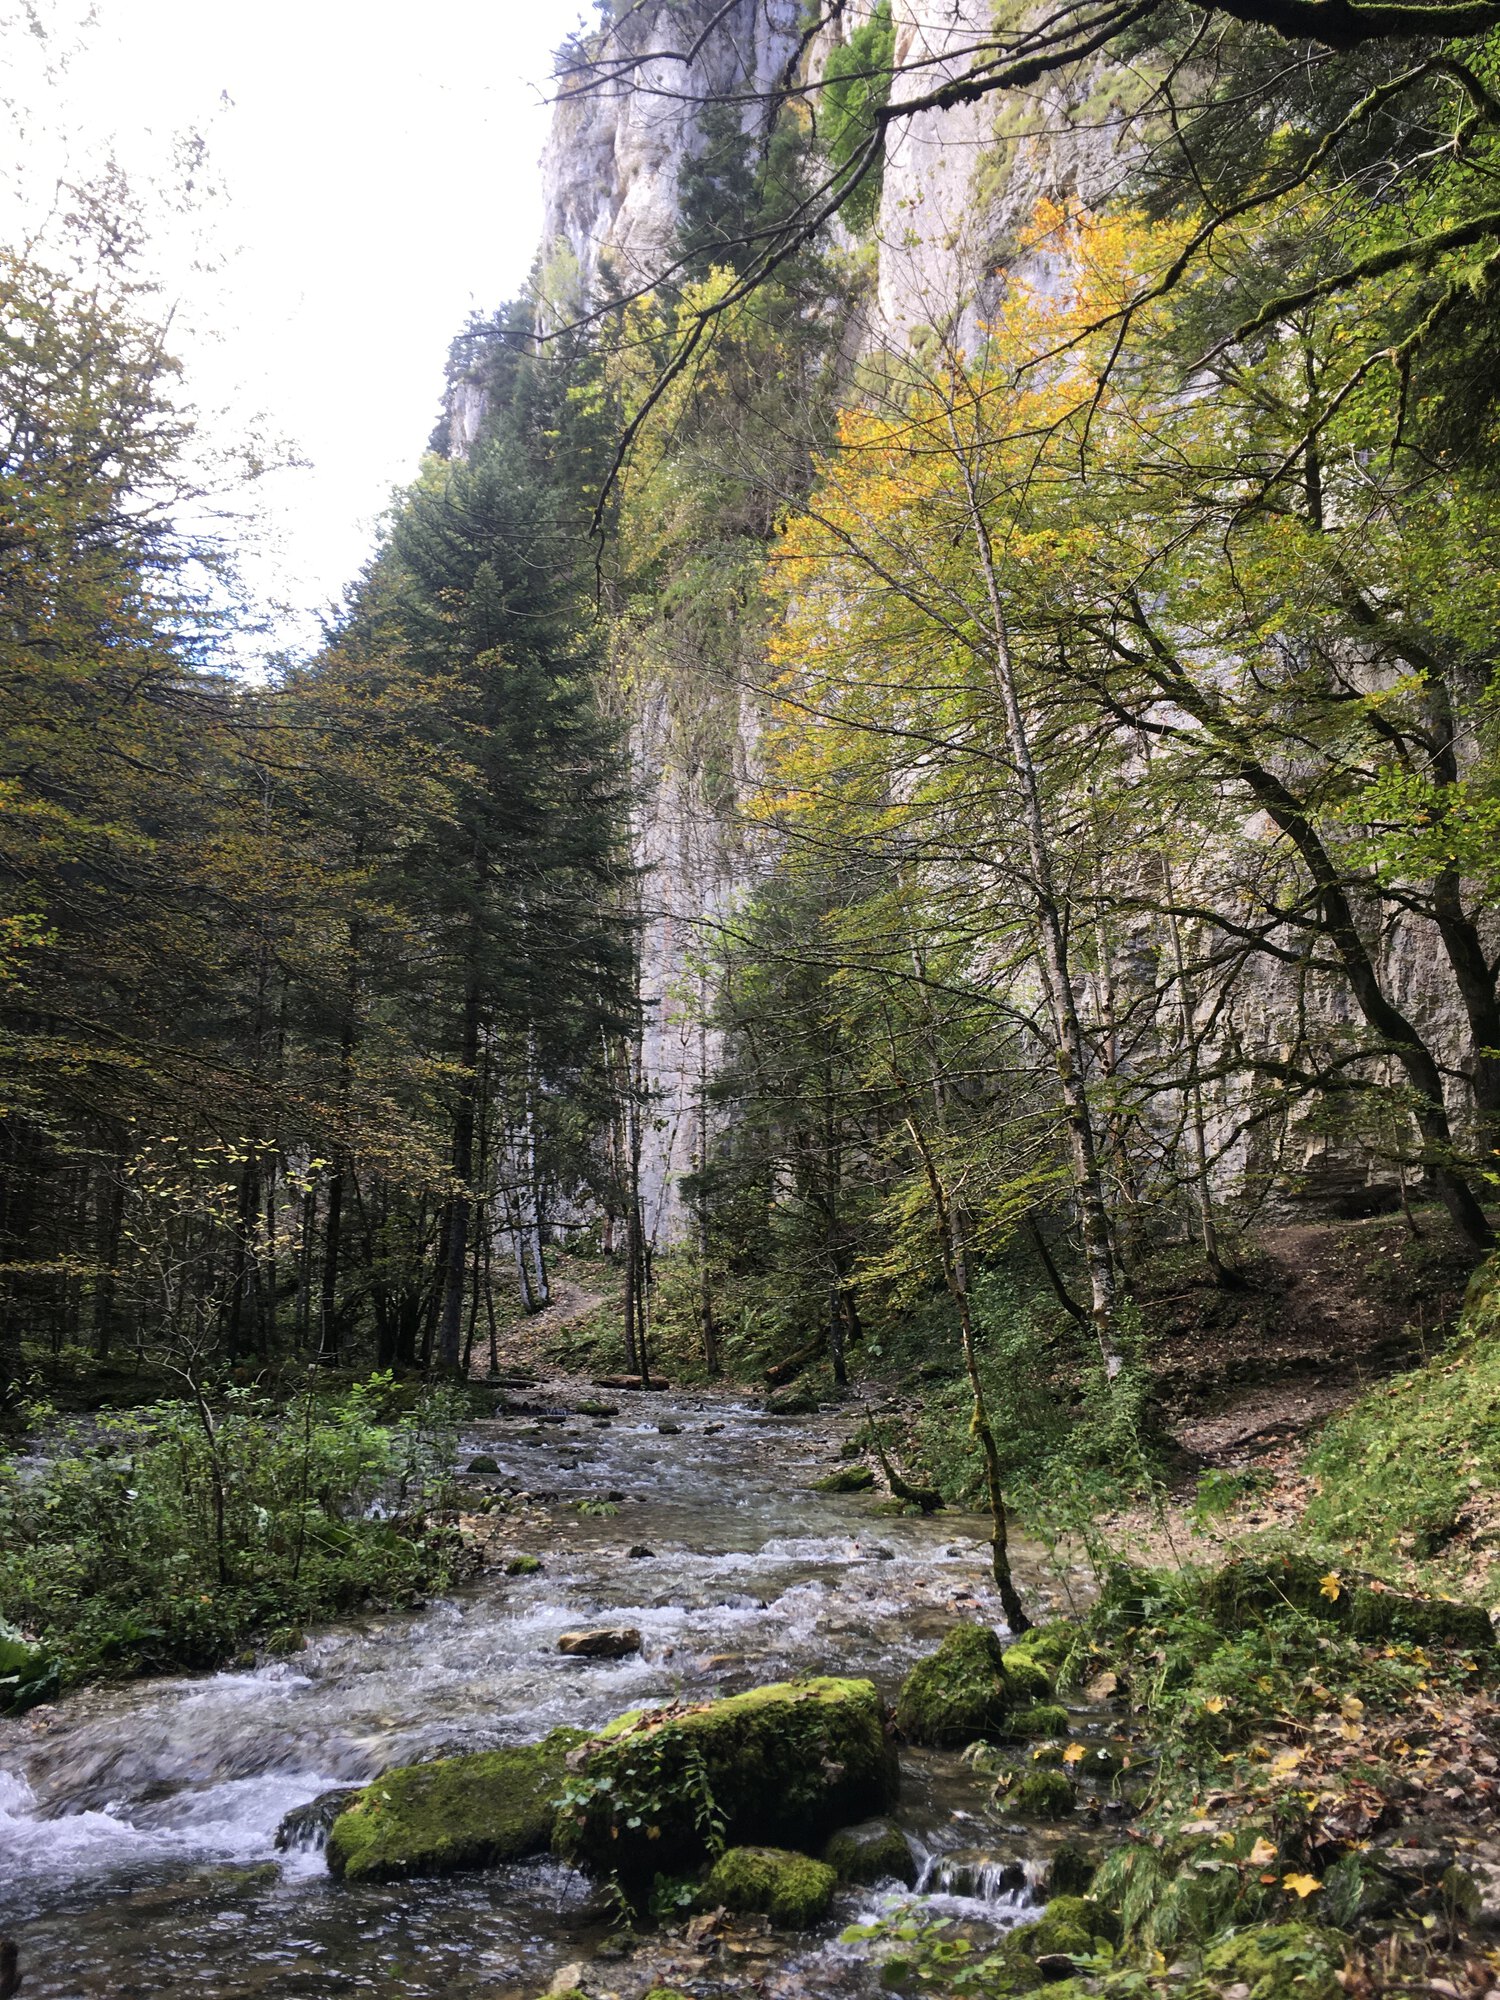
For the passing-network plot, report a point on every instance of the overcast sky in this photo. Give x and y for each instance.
(378, 174)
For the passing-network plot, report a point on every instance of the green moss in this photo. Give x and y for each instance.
(779, 1766)
(790, 1889)
(1047, 1645)
(1279, 1961)
(874, 1852)
(523, 1566)
(1042, 1719)
(963, 1692)
(1070, 1872)
(1246, 1589)
(1041, 1795)
(461, 1812)
(484, 1463)
(848, 1479)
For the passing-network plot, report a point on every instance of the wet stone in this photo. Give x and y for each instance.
(608, 1643)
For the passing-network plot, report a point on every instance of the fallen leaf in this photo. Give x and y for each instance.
(1215, 1704)
(1300, 1886)
(1351, 1708)
(1261, 1853)
(1332, 1589)
(1073, 1754)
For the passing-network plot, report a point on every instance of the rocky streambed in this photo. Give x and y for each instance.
(138, 1826)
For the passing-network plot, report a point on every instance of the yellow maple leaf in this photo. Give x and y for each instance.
(1351, 1708)
(1285, 1763)
(1300, 1886)
(1261, 1853)
(1215, 1704)
(1073, 1754)
(1331, 1588)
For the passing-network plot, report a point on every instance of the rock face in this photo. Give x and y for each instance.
(783, 1766)
(460, 1812)
(960, 187)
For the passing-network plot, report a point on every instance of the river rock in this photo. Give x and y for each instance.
(791, 1890)
(848, 1479)
(460, 1812)
(670, 1430)
(592, 1407)
(608, 1643)
(875, 1851)
(792, 1403)
(306, 1827)
(484, 1463)
(639, 1553)
(786, 1765)
(966, 1690)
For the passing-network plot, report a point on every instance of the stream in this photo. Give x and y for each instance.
(138, 1824)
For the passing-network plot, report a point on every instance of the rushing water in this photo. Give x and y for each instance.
(137, 1825)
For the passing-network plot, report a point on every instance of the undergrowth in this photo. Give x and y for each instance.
(176, 1534)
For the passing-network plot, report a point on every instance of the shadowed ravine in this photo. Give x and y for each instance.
(138, 1824)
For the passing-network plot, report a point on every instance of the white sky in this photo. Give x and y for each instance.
(378, 172)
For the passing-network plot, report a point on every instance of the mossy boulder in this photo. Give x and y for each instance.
(523, 1566)
(460, 1812)
(1279, 1961)
(593, 1407)
(1041, 1719)
(791, 1889)
(783, 1766)
(792, 1403)
(964, 1692)
(1046, 1795)
(848, 1479)
(1070, 1927)
(1070, 1871)
(874, 1852)
(484, 1463)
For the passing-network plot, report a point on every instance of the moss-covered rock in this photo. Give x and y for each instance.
(874, 1852)
(460, 1812)
(1040, 1719)
(1250, 1588)
(848, 1479)
(1426, 1621)
(964, 1692)
(1279, 1961)
(1047, 1645)
(780, 1766)
(523, 1566)
(792, 1403)
(484, 1463)
(1070, 1871)
(592, 1407)
(790, 1889)
(1041, 1795)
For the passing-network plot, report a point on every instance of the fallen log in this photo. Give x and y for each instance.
(783, 1371)
(629, 1382)
(926, 1497)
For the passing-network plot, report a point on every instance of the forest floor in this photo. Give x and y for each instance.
(1246, 1376)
